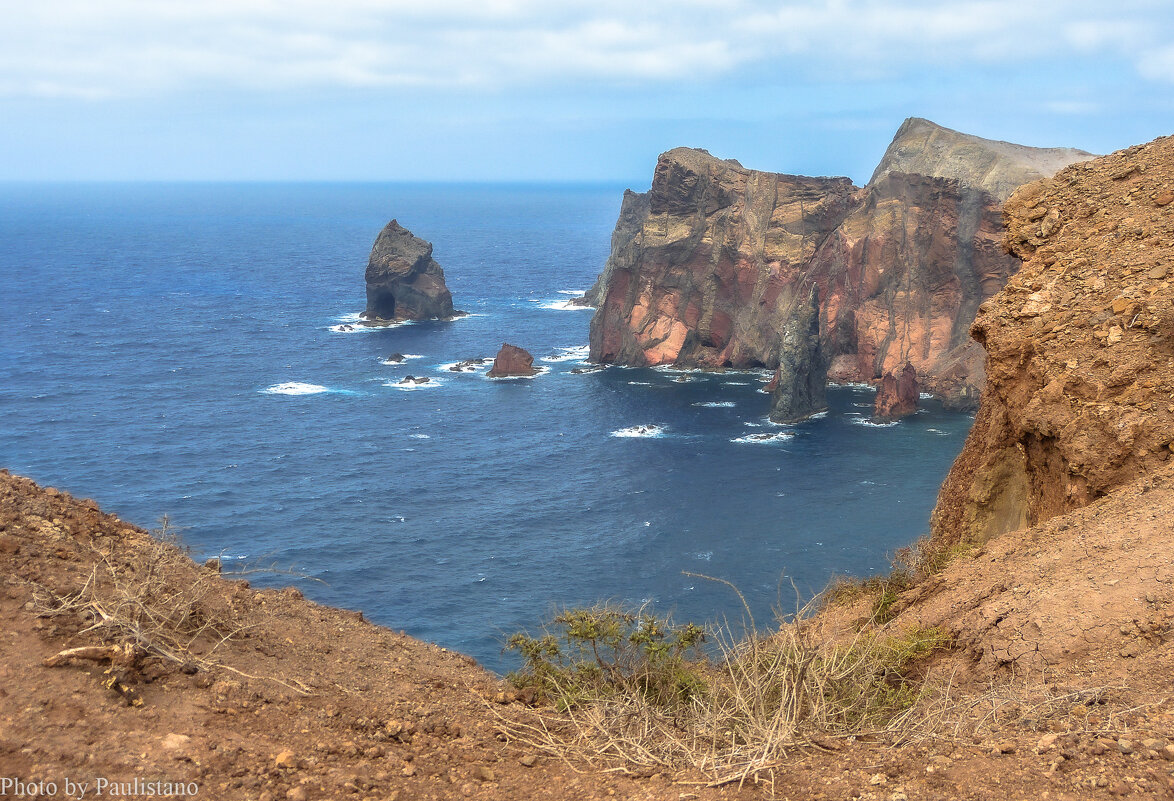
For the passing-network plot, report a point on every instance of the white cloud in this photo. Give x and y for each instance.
(89, 49)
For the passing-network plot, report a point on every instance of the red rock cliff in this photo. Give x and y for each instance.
(1080, 349)
(709, 267)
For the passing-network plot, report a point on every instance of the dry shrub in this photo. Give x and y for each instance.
(750, 702)
(150, 600)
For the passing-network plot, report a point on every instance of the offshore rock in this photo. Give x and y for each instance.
(1079, 398)
(707, 267)
(799, 387)
(897, 395)
(512, 361)
(404, 282)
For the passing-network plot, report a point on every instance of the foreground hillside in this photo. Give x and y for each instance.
(264, 695)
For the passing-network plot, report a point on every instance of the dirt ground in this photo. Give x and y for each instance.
(308, 702)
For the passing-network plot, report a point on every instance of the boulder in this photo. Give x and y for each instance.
(512, 361)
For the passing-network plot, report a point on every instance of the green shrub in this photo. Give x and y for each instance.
(604, 651)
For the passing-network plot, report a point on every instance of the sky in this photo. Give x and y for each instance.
(557, 90)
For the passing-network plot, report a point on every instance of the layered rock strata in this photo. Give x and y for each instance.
(404, 282)
(708, 267)
(512, 362)
(1080, 349)
(897, 395)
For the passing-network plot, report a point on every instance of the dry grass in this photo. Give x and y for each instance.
(757, 699)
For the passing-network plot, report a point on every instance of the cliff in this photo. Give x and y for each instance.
(708, 267)
(1080, 349)
(404, 282)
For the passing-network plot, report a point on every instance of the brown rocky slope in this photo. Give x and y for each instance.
(1080, 349)
(708, 267)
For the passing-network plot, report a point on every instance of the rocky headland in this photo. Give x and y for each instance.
(711, 264)
(1046, 590)
(404, 282)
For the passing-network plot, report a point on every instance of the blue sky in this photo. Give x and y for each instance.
(495, 90)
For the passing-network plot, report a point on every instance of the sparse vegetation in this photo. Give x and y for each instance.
(630, 687)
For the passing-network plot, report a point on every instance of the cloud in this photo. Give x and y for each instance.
(87, 49)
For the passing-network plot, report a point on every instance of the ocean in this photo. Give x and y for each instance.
(186, 350)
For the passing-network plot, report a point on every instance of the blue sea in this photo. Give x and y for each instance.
(183, 350)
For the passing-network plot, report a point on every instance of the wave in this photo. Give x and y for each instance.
(864, 421)
(938, 431)
(716, 404)
(575, 293)
(563, 305)
(420, 436)
(576, 353)
(639, 383)
(764, 439)
(647, 431)
(295, 388)
(541, 371)
(925, 395)
(466, 366)
(852, 385)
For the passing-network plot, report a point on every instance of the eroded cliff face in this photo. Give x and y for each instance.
(404, 282)
(705, 268)
(1080, 349)
(710, 265)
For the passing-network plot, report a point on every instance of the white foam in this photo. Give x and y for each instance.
(716, 404)
(764, 439)
(818, 415)
(864, 421)
(648, 431)
(412, 385)
(349, 317)
(925, 395)
(419, 436)
(541, 371)
(639, 383)
(575, 293)
(938, 431)
(737, 384)
(851, 385)
(471, 368)
(295, 388)
(564, 305)
(407, 357)
(573, 354)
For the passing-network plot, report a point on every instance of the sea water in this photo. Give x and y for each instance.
(190, 350)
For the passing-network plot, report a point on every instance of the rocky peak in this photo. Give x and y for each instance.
(926, 148)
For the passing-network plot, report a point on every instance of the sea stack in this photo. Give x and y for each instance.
(799, 386)
(512, 362)
(404, 282)
(897, 395)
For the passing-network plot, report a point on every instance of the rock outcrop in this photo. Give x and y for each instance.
(404, 282)
(708, 267)
(799, 387)
(922, 147)
(897, 395)
(1080, 349)
(512, 362)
